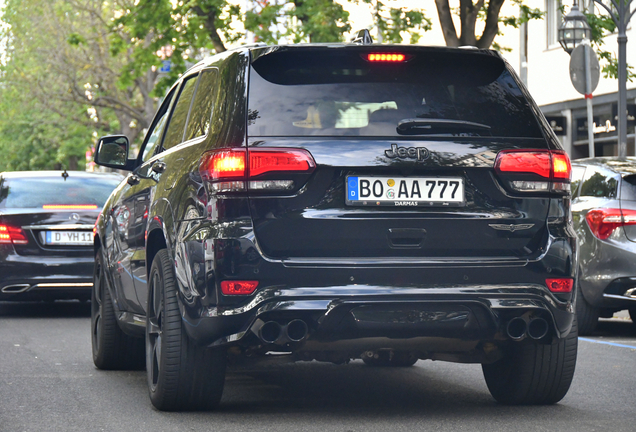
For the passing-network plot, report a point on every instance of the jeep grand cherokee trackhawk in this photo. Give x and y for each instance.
(335, 202)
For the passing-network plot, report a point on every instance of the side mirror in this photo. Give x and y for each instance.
(112, 152)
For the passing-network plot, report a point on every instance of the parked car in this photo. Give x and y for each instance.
(46, 232)
(604, 212)
(335, 202)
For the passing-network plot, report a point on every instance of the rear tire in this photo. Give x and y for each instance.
(112, 348)
(632, 315)
(586, 314)
(391, 359)
(181, 375)
(532, 373)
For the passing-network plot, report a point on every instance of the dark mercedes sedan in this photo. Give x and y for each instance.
(336, 202)
(46, 232)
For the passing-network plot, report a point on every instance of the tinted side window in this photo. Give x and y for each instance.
(599, 184)
(628, 188)
(154, 134)
(176, 127)
(203, 105)
(577, 176)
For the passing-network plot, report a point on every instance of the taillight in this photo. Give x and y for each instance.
(238, 287)
(603, 222)
(15, 235)
(535, 170)
(69, 206)
(229, 170)
(561, 285)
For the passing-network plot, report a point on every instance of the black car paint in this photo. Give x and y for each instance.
(250, 236)
(47, 272)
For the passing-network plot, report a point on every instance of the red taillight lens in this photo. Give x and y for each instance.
(238, 287)
(386, 57)
(531, 162)
(523, 167)
(15, 235)
(603, 222)
(225, 164)
(267, 160)
(562, 285)
(234, 166)
(561, 166)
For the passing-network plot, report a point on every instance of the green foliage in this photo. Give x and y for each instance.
(392, 22)
(603, 25)
(297, 21)
(526, 13)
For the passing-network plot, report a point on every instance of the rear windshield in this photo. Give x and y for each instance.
(340, 93)
(55, 192)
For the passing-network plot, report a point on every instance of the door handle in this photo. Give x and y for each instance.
(159, 167)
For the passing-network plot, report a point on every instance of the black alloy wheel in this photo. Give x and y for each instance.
(112, 348)
(533, 373)
(586, 314)
(181, 375)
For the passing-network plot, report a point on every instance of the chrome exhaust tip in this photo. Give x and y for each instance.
(15, 289)
(270, 332)
(296, 330)
(538, 328)
(516, 329)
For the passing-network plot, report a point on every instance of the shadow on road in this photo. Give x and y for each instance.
(57, 309)
(615, 328)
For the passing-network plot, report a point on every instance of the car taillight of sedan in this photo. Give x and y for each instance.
(603, 222)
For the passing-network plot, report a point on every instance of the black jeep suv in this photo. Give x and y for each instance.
(338, 202)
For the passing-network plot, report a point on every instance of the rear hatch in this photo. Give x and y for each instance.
(404, 143)
(52, 215)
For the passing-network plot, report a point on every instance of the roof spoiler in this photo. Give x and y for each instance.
(363, 37)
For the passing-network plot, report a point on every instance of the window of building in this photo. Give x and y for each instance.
(553, 20)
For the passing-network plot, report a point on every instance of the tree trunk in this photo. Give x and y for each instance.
(446, 21)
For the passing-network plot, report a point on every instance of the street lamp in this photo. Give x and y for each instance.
(621, 13)
(575, 31)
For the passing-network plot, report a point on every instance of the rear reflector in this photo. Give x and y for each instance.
(563, 285)
(70, 206)
(603, 222)
(238, 287)
(386, 57)
(15, 235)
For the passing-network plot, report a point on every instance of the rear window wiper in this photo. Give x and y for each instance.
(419, 126)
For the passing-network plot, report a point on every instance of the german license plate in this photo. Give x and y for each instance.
(405, 191)
(69, 238)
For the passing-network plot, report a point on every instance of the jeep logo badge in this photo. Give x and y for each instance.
(418, 153)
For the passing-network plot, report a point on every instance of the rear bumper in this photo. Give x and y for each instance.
(435, 322)
(45, 278)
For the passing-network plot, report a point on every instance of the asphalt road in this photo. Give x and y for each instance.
(48, 383)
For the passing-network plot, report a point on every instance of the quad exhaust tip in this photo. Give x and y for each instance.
(517, 328)
(272, 332)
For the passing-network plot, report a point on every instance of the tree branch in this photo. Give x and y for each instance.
(446, 21)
